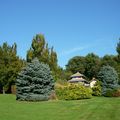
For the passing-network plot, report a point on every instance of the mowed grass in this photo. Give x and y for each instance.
(97, 108)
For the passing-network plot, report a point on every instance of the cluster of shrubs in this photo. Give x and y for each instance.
(35, 83)
(73, 92)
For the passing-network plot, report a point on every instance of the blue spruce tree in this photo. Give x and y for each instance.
(34, 82)
(109, 78)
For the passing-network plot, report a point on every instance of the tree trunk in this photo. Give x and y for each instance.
(3, 90)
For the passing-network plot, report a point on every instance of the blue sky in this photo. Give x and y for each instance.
(73, 27)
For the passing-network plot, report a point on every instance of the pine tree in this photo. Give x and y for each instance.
(35, 82)
(109, 78)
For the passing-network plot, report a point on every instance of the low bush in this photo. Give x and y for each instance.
(97, 89)
(73, 92)
(116, 93)
(113, 92)
(109, 93)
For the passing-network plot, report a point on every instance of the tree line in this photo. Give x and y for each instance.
(11, 64)
(89, 65)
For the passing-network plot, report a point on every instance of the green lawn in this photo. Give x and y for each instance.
(97, 108)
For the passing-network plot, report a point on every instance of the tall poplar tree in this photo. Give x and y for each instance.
(40, 49)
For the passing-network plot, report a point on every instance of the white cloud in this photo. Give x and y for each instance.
(73, 50)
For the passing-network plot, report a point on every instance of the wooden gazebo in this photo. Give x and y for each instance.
(78, 78)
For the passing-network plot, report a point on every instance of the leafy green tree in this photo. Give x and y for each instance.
(118, 49)
(112, 61)
(109, 60)
(39, 48)
(92, 65)
(89, 65)
(118, 59)
(53, 60)
(10, 65)
(109, 78)
(118, 71)
(66, 75)
(76, 64)
(34, 82)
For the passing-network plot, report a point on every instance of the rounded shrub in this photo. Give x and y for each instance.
(34, 82)
(73, 92)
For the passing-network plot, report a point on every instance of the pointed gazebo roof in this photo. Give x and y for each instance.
(77, 75)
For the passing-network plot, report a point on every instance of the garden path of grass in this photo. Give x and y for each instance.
(97, 108)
